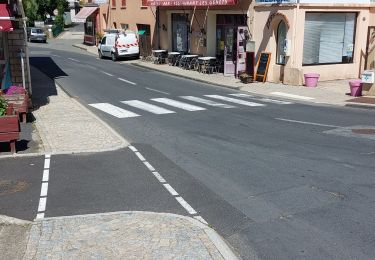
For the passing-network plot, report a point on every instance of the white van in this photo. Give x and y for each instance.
(118, 45)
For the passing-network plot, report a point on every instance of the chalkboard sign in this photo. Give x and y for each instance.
(263, 64)
(250, 56)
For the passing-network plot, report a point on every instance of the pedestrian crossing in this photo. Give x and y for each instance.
(161, 106)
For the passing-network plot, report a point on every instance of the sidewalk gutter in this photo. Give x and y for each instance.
(186, 77)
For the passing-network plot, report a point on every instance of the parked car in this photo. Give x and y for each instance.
(36, 34)
(118, 45)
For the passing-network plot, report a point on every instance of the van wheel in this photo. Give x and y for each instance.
(100, 55)
(113, 55)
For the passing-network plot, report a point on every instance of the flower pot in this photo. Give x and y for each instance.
(355, 87)
(311, 79)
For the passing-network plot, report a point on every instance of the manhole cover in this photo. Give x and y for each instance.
(9, 187)
(364, 131)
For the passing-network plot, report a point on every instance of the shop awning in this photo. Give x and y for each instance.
(5, 18)
(191, 2)
(84, 13)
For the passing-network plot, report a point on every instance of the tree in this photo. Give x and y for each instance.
(39, 9)
(31, 10)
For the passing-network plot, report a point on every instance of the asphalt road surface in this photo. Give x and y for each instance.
(277, 179)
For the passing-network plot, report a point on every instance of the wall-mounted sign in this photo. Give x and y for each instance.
(190, 2)
(100, 2)
(276, 1)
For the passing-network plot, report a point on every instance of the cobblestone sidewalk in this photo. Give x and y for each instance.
(66, 126)
(118, 235)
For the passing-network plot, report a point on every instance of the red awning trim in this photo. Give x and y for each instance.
(6, 18)
(191, 2)
(84, 13)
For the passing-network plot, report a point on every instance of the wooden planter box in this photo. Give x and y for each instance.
(20, 104)
(10, 130)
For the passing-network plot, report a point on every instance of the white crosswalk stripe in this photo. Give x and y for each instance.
(206, 102)
(148, 107)
(178, 104)
(237, 101)
(113, 110)
(267, 100)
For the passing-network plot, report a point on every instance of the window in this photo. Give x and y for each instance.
(103, 41)
(123, 3)
(113, 3)
(144, 3)
(329, 38)
(281, 38)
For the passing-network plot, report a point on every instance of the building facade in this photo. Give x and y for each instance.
(313, 36)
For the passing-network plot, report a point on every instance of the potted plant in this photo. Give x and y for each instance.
(9, 125)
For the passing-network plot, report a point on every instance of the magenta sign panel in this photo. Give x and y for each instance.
(191, 2)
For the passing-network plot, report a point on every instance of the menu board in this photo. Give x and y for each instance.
(263, 64)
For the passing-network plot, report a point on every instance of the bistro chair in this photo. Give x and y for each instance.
(194, 64)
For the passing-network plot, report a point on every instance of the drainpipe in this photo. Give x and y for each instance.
(20, 6)
(158, 27)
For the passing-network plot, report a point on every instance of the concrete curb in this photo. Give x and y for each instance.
(213, 236)
(6, 221)
(79, 47)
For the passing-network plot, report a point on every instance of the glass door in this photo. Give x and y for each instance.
(180, 33)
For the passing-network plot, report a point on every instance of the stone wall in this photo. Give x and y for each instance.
(16, 43)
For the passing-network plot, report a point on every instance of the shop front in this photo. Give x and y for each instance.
(208, 28)
(89, 15)
(6, 26)
(312, 37)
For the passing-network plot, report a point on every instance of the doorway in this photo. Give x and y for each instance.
(226, 39)
(180, 33)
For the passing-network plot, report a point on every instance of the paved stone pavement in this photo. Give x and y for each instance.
(117, 235)
(327, 92)
(62, 119)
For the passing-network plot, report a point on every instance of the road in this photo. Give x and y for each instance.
(277, 179)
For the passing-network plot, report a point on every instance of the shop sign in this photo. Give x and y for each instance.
(100, 2)
(276, 1)
(190, 2)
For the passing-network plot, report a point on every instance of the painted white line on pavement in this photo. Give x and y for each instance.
(40, 216)
(269, 100)
(45, 175)
(155, 90)
(73, 59)
(47, 163)
(201, 219)
(291, 96)
(207, 102)
(106, 73)
(306, 123)
(178, 104)
(170, 189)
(140, 156)
(127, 81)
(186, 205)
(133, 148)
(148, 107)
(149, 166)
(236, 101)
(44, 190)
(42, 204)
(159, 177)
(113, 110)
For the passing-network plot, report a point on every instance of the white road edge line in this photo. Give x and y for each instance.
(106, 73)
(127, 81)
(44, 188)
(186, 205)
(149, 166)
(73, 59)
(140, 156)
(171, 190)
(166, 93)
(306, 123)
(282, 94)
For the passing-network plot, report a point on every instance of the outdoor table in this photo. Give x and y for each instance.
(160, 56)
(205, 64)
(186, 59)
(206, 58)
(172, 57)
